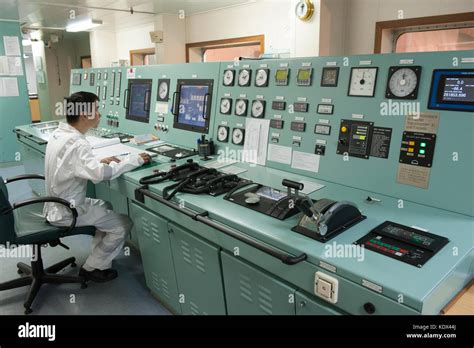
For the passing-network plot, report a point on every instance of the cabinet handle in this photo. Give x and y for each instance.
(204, 218)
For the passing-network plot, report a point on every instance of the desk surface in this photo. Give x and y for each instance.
(463, 304)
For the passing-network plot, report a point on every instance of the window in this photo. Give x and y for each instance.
(225, 50)
(146, 56)
(436, 40)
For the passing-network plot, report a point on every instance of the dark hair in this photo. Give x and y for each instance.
(79, 102)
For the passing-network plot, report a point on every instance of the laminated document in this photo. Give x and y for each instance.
(9, 87)
(97, 142)
(279, 154)
(256, 141)
(12, 45)
(305, 161)
(118, 150)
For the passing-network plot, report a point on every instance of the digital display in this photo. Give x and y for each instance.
(192, 110)
(329, 77)
(138, 104)
(281, 77)
(304, 77)
(452, 89)
(458, 89)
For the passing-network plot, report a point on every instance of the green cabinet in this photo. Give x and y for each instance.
(250, 291)
(155, 250)
(198, 273)
(306, 305)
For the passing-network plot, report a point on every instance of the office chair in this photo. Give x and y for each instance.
(29, 227)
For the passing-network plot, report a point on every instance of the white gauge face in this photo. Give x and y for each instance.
(244, 77)
(228, 77)
(241, 107)
(363, 82)
(163, 90)
(226, 105)
(238, 136)
(301, 9)
(403, 82)
(258, 108)
(261, 79)
(223, 134)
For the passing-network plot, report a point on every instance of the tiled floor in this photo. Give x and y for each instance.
(126, 295)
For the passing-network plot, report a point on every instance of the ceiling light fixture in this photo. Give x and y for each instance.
(83, 25)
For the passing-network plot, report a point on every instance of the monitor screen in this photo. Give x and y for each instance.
(452, 89)
(193, 105)
(139, 100)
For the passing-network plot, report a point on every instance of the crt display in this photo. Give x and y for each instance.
(139, 100)
(458, 89)
(192, 105)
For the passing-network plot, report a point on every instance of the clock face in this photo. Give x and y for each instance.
(244, 77)
(223, 134)
(304, 10)
(241, 107)
(363, 82)
(258, 108)
(238, 136)
(163, 90)
(261, 78)
(403, 82)
(229, 75)
(226, 106)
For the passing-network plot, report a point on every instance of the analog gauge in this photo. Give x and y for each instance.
(403, 82)
(229, 75)
(226, 106)
(163, 90)
(223, 134)
(238, 136)
(244, 77)
(258, 108)
(261, 78)
(330, 77)
(241, 107)
(363, 82)
(304, 10)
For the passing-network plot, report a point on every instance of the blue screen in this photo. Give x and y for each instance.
(192, 105)
(452, 90)
(137, 99)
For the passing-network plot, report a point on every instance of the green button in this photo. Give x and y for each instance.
(422, 152)
(423, 144)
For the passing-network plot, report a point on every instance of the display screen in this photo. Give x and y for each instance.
(192, 105)
(271, 193)
(192, 110)
(452, 90)
(76, 79)
(139, 100)
(304, 74)
(282, 74)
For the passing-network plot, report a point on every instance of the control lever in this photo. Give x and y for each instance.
(58, 242)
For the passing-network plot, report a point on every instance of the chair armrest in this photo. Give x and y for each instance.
(24, 177)
(46, 200)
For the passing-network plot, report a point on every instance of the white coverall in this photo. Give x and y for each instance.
(69, 164)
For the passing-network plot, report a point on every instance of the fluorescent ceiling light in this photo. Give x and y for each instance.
(83, 25)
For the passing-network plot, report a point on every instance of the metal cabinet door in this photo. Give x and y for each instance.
(250, 291)
(102, 191)
(155, 250)
(306, 305)
(198, 273)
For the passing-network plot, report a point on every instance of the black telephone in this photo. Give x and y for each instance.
(174, 173)
(325, 218)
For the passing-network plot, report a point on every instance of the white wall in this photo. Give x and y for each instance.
(363, 14)
(103, 48)
(273, 18)
(135, 38)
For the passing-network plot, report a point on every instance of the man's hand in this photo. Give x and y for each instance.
(109, 160)
(146, 157)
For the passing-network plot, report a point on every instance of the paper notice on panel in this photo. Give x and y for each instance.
(279, 154)
(424, 122)
(256, 141)
(12, 45)
(413, 175)
(9, 87)
(4, 69)
(14, 66)
(219, 163)
(118, 150)
(305, 161)
(161, 108)
(233, 170)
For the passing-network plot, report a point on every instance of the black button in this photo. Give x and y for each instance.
(369, 308)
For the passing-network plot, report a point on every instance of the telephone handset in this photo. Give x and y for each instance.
(326, 218)
(172, 174)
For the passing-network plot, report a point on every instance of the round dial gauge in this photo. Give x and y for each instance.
(241, 107)
(163, 90)
(363, 82)
(238, 136)
(229, 77)
(244, 77)
(261, 78)
(223, 134)
(258, 108)
(226, 106)
(403, 83)
(304, 10)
